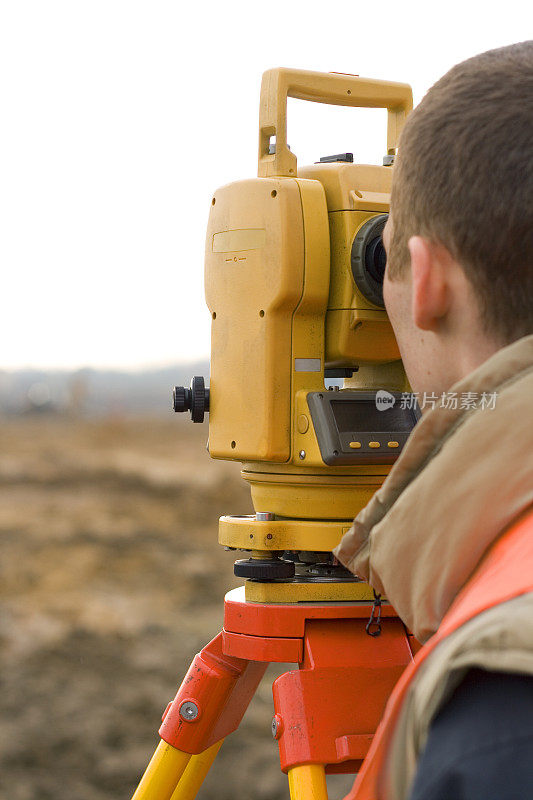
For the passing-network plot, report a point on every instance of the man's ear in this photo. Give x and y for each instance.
(430, 295)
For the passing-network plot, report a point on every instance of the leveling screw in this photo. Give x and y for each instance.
(189, 711)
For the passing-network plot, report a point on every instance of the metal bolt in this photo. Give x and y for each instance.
(277, 726)
(189, 711)
(302, 454)
(264, 516)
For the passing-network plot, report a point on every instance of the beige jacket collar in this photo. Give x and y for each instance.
(463, 477)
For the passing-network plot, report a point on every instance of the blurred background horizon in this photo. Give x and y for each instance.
(120, 118)
(91, 392)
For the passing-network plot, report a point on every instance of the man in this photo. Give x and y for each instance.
(448, 539)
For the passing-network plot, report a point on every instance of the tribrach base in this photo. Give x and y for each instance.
(326, 710)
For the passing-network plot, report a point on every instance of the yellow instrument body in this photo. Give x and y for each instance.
(285, 307)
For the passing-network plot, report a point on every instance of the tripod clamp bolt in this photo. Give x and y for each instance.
(277, 726)
(189, 711)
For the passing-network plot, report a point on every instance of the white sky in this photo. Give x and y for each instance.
(119, 120)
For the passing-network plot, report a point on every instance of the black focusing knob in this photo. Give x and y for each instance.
(180, 398)
(195, 399)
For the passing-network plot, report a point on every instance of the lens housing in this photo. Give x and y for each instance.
(369, 259)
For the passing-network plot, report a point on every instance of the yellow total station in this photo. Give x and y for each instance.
(294, 268)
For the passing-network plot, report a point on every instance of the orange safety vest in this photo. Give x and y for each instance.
(505, 572)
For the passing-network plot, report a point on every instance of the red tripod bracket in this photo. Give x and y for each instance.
(328, 710)
(212, 699)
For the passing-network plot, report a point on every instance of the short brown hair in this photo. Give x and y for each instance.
(464, 178)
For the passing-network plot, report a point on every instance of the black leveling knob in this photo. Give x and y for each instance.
(195, 399)
(263, 568)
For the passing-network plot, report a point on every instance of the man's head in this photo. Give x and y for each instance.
(459, 278)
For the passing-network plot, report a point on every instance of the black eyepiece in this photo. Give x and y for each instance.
(369, 259)
(376, 259)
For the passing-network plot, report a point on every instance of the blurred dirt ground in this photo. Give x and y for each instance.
(111, 579)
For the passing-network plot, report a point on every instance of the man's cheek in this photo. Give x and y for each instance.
(388, 297)
(396, 297)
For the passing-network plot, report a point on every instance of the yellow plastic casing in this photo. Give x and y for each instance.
(357, 331)
(348, 188)
(267, 283)
(279, 295)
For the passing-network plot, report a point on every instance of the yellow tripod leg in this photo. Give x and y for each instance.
(194, 775)
(308, 782)
(162, 773)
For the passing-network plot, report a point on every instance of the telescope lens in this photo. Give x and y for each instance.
(369, 259)
(376, 259)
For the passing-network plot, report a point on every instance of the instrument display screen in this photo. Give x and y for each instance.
(361, 427)
(362, 415)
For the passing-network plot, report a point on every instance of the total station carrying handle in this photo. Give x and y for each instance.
(321, 87)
